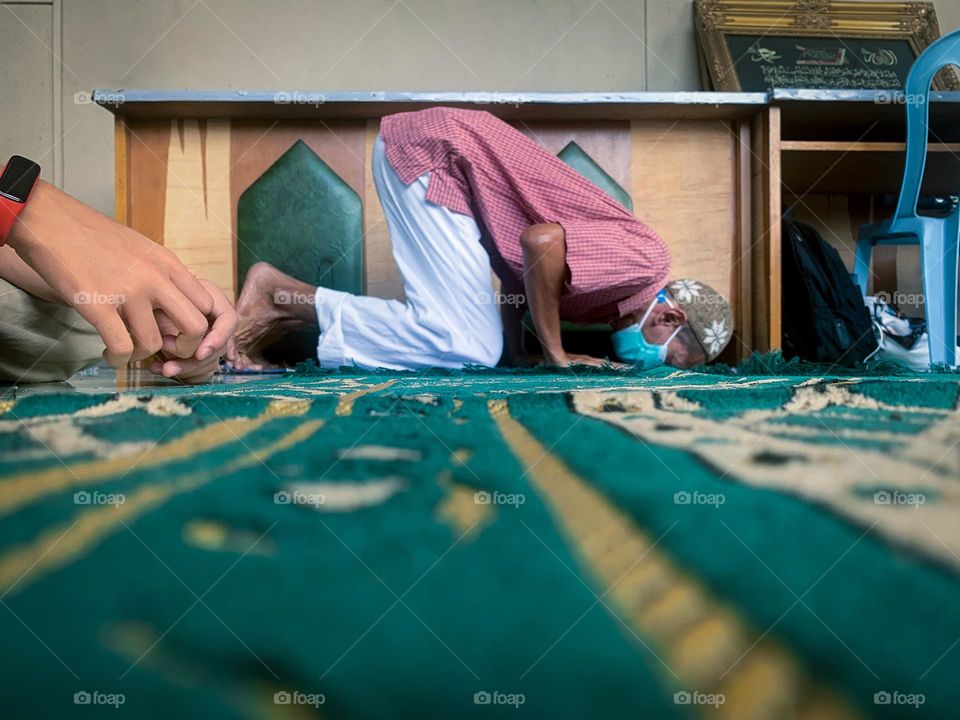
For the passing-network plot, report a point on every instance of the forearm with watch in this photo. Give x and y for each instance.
(18, 180)
(118, 280)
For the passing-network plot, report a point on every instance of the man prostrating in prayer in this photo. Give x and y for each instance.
(464, 193)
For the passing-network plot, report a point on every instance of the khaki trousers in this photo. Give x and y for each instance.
(40, 341)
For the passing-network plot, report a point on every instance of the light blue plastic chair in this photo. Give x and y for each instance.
(937, 237)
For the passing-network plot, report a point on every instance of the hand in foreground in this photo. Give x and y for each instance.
(113, 276)
(200, 366)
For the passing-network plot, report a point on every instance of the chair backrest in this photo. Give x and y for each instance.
(945, 51)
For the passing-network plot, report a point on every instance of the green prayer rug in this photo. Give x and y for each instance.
(484, 544)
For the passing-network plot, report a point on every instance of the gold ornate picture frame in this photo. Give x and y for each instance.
(755, 45)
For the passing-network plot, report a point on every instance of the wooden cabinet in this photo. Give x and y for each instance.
(842, 156)
(711, 172)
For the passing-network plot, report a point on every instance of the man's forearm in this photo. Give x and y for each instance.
(545, 270)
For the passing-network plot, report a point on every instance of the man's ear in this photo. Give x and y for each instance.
(672, 317)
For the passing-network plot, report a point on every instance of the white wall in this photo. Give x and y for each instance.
(52, 49)
(29, 85)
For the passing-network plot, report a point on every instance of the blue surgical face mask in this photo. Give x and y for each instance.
(632, 346)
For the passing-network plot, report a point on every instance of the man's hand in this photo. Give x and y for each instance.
(527, 360)
(199, 367)
(112, 275)
(569, 359)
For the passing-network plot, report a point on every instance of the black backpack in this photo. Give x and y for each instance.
(824, 317)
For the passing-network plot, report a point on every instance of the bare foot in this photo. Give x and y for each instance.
(271, 305)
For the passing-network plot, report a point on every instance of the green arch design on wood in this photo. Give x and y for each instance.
(575, 156)
(301, 217)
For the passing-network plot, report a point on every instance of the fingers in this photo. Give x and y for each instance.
(185, 316)
(592, 362)
(112, 330)
(170, 344)
(222, 321)
(166, 325)
(192, 287)
(142, 326)
(188, 371)
(225, 323)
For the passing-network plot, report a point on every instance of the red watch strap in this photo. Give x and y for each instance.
(9, 212)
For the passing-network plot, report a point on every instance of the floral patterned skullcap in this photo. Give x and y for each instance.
(708, 314)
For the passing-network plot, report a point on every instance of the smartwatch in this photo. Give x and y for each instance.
(17, 181)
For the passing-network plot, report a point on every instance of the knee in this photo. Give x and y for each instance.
(484, 351)
(43, 342)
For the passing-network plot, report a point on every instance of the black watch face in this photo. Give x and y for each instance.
(18, 179)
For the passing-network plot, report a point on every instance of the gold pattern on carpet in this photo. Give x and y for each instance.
(704, 644)
(763, 447)
(59, 545)
(27, 487)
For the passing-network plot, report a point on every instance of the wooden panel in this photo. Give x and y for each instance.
(332, 111)
(909, 286)
(884, 269)
(251, 104)
(121, 143)
(607, 142)
(848, 147)
(256, 145)
(147, 147)
(860, 116)
(197, 222)
(383, 277)
(691, 181)
(684, 185)
(765, 254)
(743, 264)
(865, 173)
